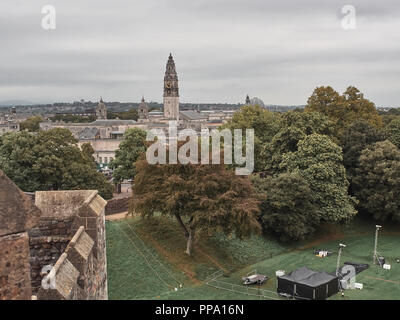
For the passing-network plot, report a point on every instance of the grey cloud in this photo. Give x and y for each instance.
(223, 49)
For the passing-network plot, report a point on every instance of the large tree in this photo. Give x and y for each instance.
(354, 140)
(264, 123)
(319, 161)
(287, 208)
(393, 132)
(343, 109)
(293, 127)
(133, 145)
(204, 199)
(126, 115)
(377, 182)
(31, 124)
(50, 160)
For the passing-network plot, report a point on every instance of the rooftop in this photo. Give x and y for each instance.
(112, 122)
(193, 115)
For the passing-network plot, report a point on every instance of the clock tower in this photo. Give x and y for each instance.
(171, 91)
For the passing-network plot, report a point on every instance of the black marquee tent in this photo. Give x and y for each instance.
(308, 284)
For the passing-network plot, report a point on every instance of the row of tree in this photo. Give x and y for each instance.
(321, 164)
(324, 164)
(51, 160)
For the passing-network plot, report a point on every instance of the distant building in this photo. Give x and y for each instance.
(101, 110)
(8, 122)
(247, 100)
(193, 119)
(257, 101)
(105, 135)
(143, 110)
(9, 127)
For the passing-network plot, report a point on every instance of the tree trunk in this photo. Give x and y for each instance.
(185, 231)
(189, 243)
(189, 235)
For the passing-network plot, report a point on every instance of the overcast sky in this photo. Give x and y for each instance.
(278, 51)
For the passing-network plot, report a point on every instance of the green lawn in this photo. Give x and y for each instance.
(131, 277)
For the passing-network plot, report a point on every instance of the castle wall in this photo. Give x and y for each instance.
(33, 236)
(76, 274)
(117, 205)
(47, 242)
(65, 213)
(15, 282)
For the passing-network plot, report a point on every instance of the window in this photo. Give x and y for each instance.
(100, 160)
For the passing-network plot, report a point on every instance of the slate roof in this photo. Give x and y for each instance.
(193, 115)
(112, 122)
(88, 133)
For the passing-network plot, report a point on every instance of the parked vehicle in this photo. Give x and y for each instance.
(255, 279)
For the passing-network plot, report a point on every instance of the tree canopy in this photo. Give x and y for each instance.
(393, 132)
(133, 145)
(287, 208)
(50, 160)
(377, 182)
(343, 109)
(264, 123)
(125, 115)
(204, 199)
(293, 127)
(354, 140)
(31, 124)
(319, 161)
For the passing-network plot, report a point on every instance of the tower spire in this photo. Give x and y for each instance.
(171, 91)
(101, 110)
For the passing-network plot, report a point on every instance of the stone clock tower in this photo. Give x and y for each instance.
(171, 91)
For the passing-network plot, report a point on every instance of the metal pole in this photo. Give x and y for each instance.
(376, 243)
(338, 259)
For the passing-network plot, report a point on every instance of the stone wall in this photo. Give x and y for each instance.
(76, 274)
(15, 282)
(62, 230)
(47, 242)
(64, 283)
(117, 205)
(62, 223)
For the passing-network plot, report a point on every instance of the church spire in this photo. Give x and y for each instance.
(171, 90)
(143, 110)
(101, 110)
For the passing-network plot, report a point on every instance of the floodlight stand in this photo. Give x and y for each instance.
(375, 257)
(341, 246)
